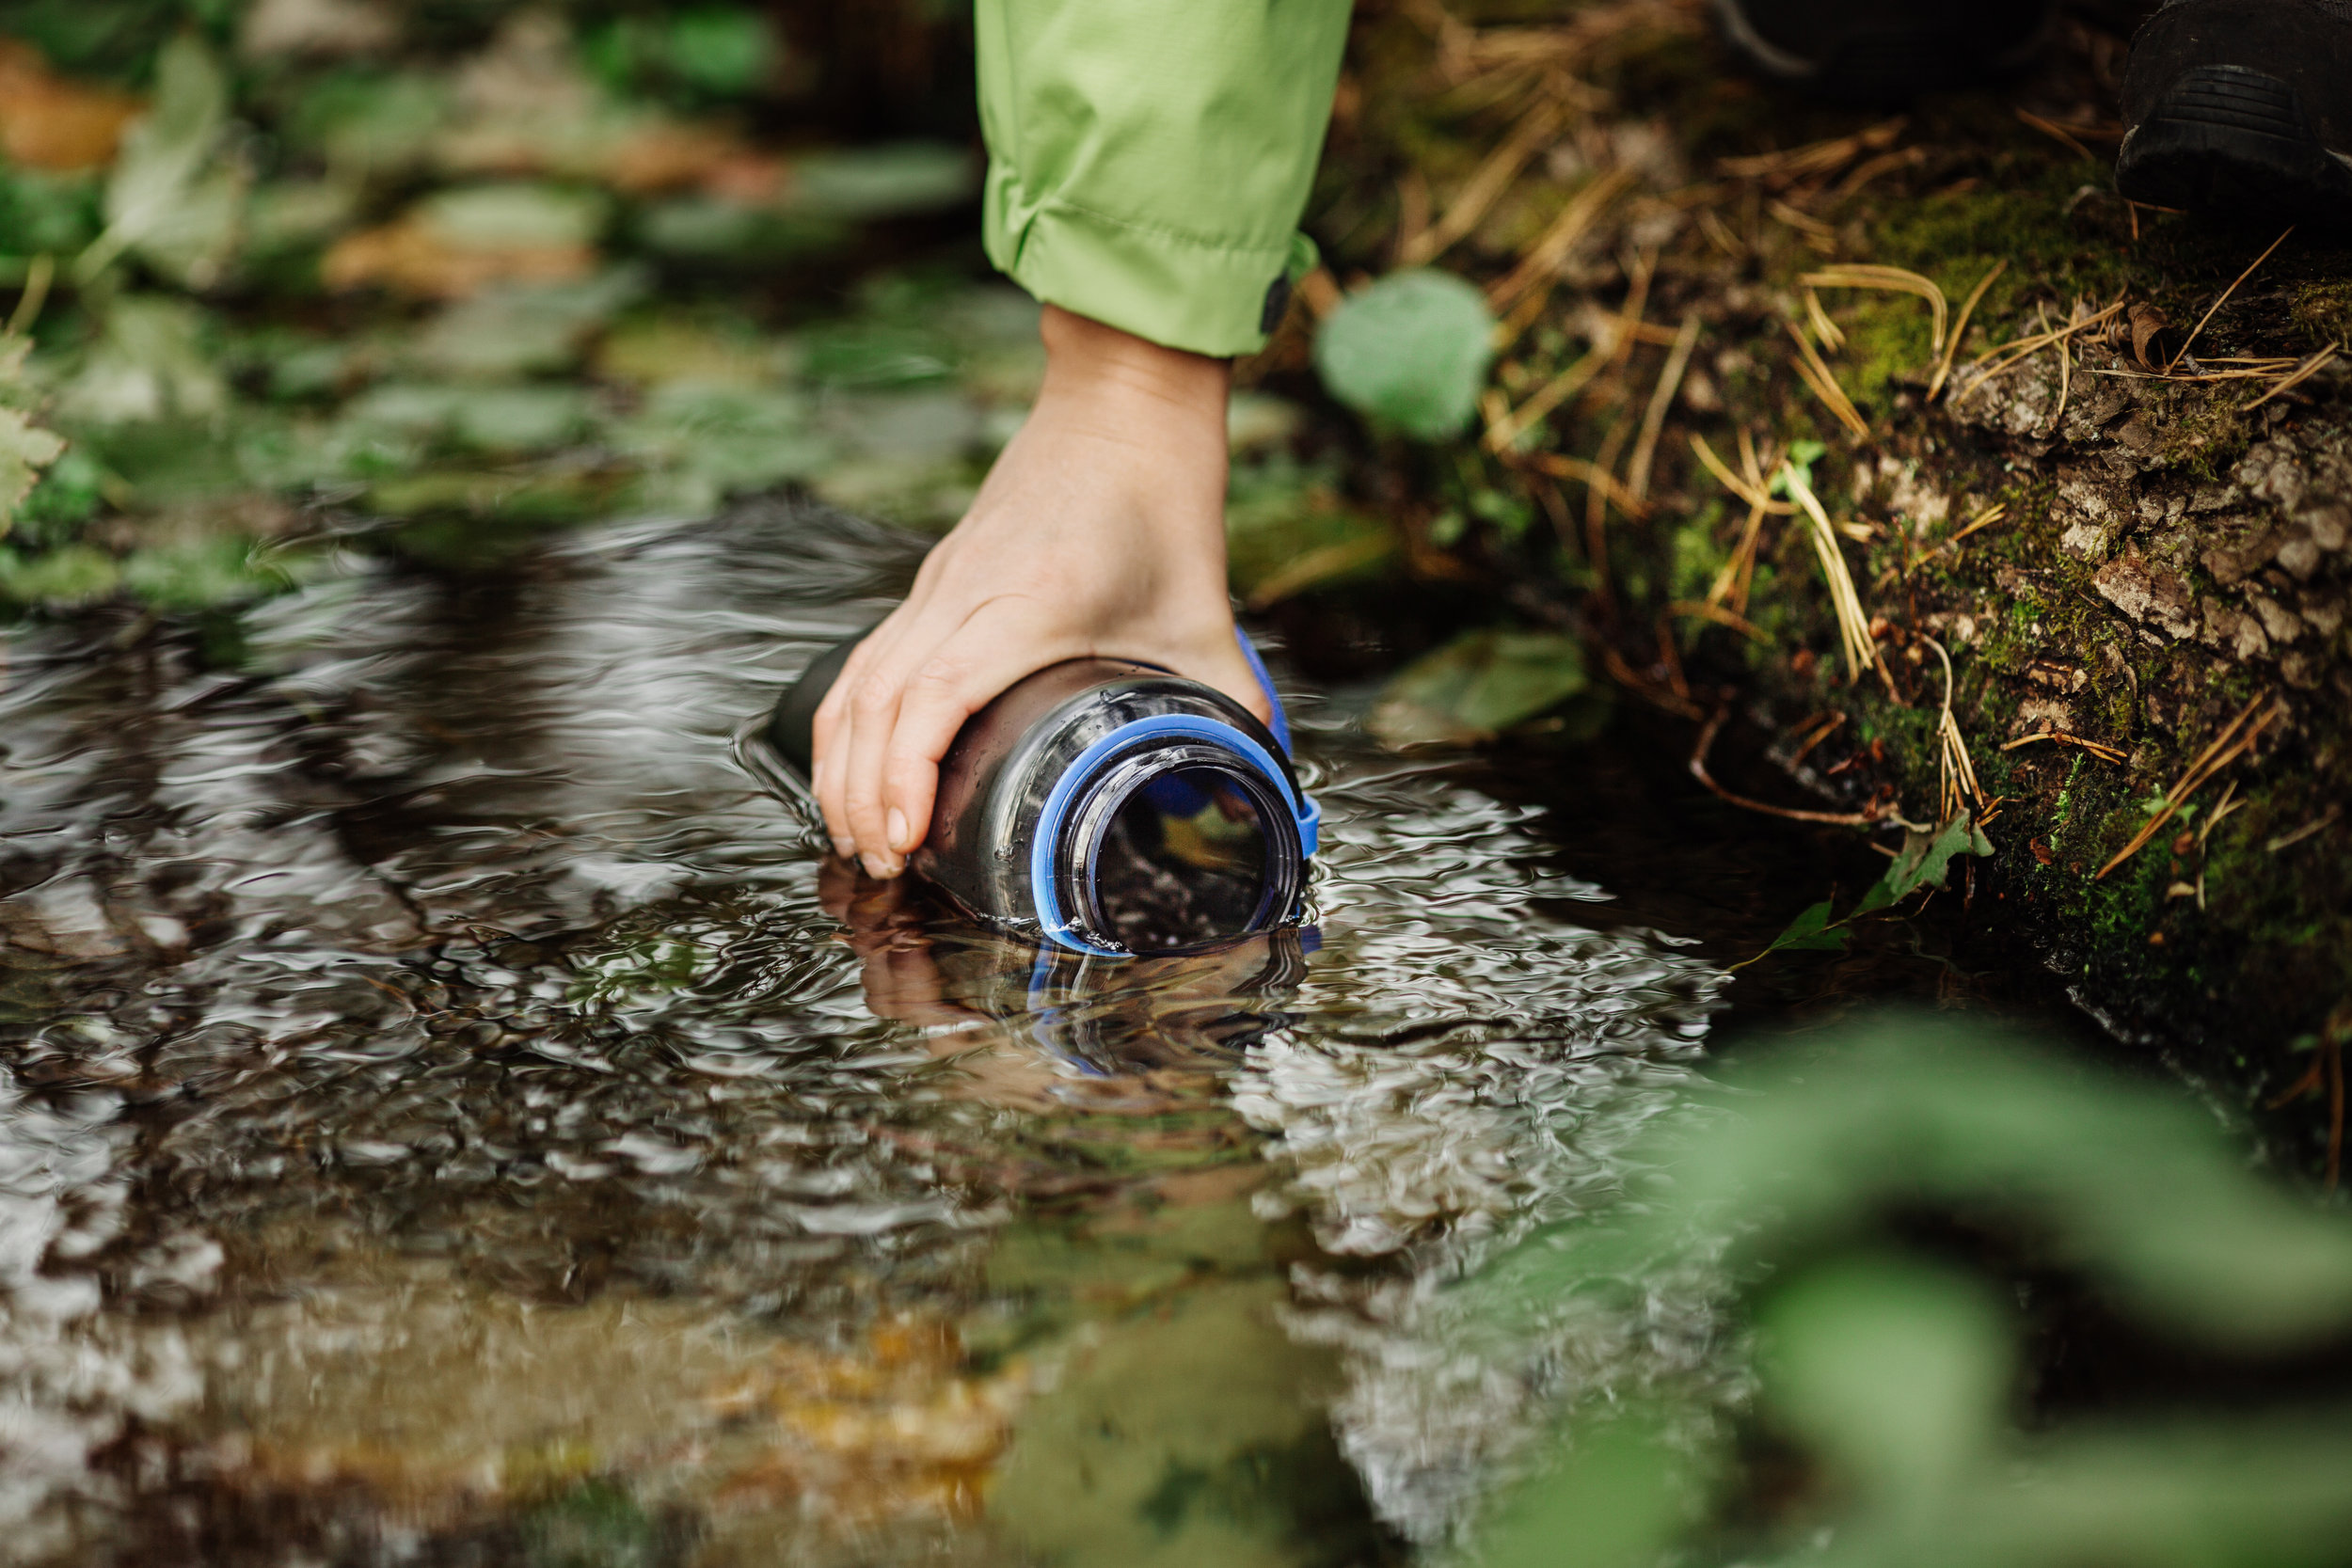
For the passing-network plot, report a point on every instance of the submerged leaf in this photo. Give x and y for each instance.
(1480, 683)
(1412, 350)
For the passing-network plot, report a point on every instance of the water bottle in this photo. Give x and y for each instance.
(1103, 806)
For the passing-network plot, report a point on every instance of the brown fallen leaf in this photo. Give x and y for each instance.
(48, 122)
(409, 258)
(2148, 323)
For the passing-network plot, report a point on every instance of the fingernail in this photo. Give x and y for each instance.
(843, 847)
(876, 866)
(897, 826)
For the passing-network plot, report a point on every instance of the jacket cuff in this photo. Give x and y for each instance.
(1182, 290)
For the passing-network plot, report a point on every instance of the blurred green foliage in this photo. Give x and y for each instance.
(1895, 1374)
(1409, 351)
(431, 278)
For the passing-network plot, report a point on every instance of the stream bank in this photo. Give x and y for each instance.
(2130, 541)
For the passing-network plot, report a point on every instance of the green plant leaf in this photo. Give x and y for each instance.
(1924, 861)
(1802, 456)
(174, 198)
(1810, 932)
(1411, 351)
(1479, 682)
(26, 449)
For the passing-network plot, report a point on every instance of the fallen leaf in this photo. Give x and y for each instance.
(458, 243)
(325, 28)
(1479, 682)
(47, 122)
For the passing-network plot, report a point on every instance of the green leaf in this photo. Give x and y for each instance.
(26, 449)
(151, 361)
(174, 198)
(1810, 932)
(1412, 350)
(1925, 861)
(1802, 456)
(1480, 683)
(75, 575)
(722, 50)
(1896, 1370)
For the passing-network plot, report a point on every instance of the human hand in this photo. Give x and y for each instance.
(1099, 532)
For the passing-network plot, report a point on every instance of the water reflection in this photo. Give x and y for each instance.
(449, 1104)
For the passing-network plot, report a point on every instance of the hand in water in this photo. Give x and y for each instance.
(1100, 531)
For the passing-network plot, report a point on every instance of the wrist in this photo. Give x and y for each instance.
(1110, 368)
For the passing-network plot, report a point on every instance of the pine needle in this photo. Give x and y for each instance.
(1893, 280)
(1755, 495)
(1484, 187)
(2181, 353)
(1504, 434)
(1826, 329)
(2302, 373)
(2009, 355)
(2226, 746)
(1816, 374)
(1853, 626)
(1959, 329)
(1552, 249)
(1957, 787)
(1661, 404)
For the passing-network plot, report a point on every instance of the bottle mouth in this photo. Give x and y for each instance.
(1175, 847)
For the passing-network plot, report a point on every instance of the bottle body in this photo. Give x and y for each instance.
(1105, 807)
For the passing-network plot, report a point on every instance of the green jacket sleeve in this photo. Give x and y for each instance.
(1148, 159)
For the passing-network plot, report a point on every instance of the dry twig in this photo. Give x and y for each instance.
(1698, 771)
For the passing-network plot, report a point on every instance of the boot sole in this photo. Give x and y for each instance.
(2226, 138)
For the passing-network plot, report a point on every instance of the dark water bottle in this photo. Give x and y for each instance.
(1104, 806)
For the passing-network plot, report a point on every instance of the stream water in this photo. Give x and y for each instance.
(452, 1115)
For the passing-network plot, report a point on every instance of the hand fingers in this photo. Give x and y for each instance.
(873, 704)
(987, 654)
(829, 781)
(829, 731)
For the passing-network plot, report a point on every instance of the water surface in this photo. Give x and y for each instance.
(450, 1115)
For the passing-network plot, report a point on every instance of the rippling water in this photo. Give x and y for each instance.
(450, 1116)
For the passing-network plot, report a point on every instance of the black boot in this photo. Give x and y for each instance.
(1885, 51)
(2241, 107)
